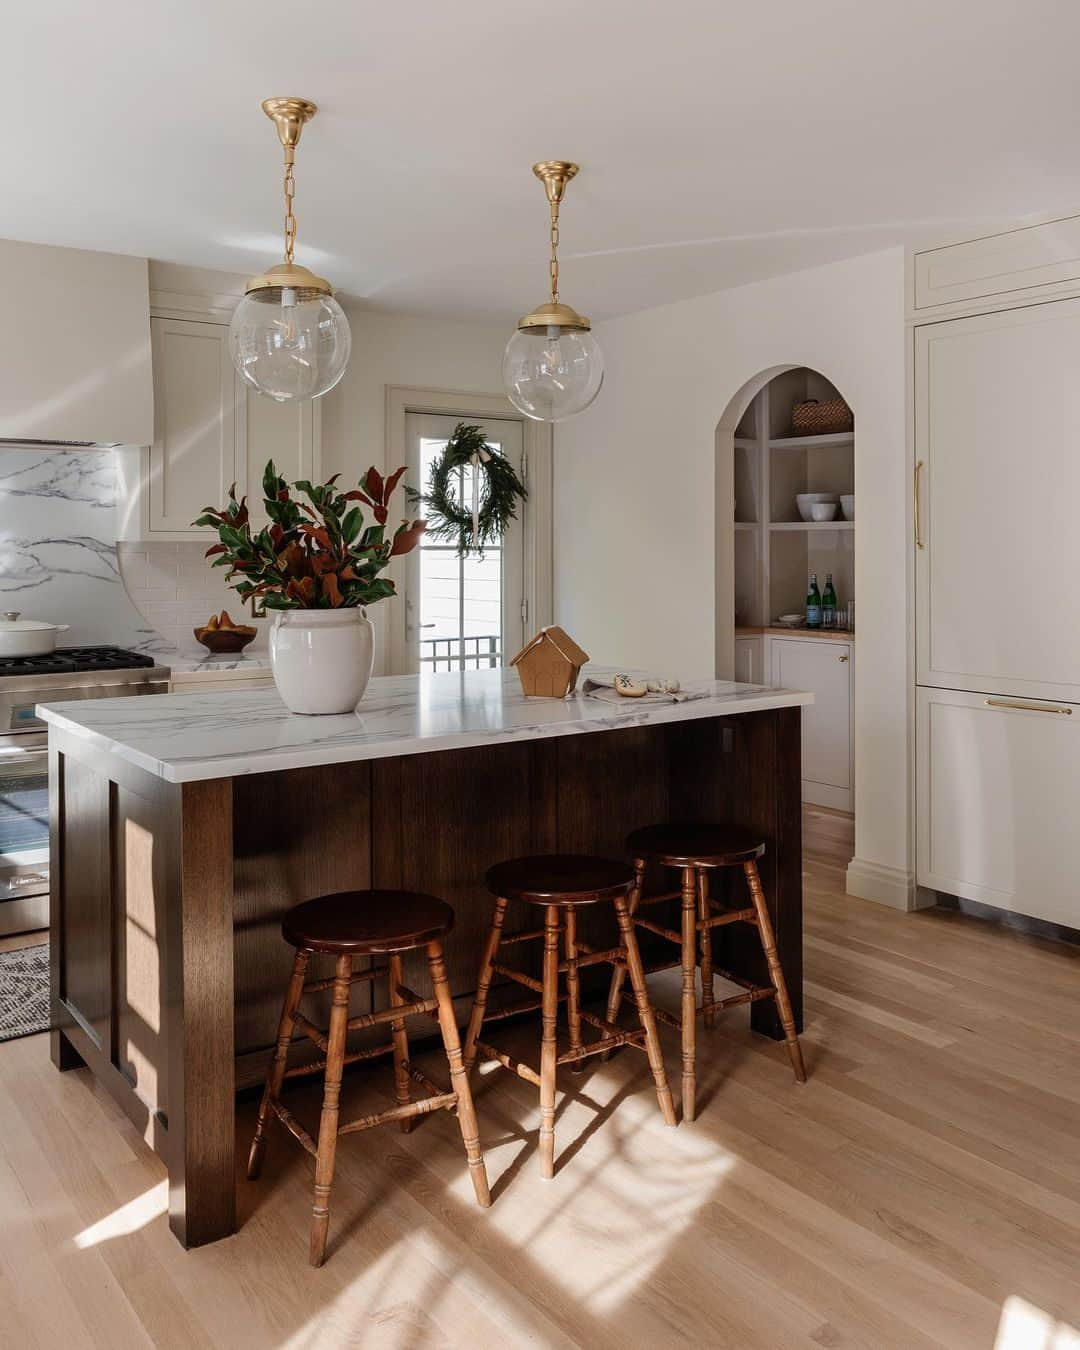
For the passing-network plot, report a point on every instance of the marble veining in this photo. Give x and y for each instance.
(189, 737)
(58, 531)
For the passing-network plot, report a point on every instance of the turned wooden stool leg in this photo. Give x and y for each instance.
(272, 1090)
(689, 992)
(401, 1041)
(618, 975)
(483, 984)
(459, 1079)
(549, 1051)
(328, 1121)
(708, 995)
(776, 973)
(645, 1012)
(573, 988)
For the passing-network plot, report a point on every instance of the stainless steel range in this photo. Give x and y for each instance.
(67, 673)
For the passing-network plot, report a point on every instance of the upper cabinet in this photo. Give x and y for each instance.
(997, 491)
(80, 370)
(1001, 267)
(212, 430)
(192, 458)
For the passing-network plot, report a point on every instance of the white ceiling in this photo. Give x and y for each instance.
(719, 142)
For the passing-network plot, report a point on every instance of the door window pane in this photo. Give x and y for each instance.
(460, 598)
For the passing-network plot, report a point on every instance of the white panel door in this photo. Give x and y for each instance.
(462, 613)
(192, 459)
(824, 668)
(996, 793)
(997, 430)
(287, 433)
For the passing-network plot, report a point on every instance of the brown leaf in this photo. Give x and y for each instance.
(303, 590)
(392, 482)
(331, 590)
(407, 537)
(372, 484)
(218, 548)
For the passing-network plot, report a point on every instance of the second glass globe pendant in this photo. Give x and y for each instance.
(289, 337)
(553, 367)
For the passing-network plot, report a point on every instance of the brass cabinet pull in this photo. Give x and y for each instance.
(841, 658)
(1026, 707)
(918, 525)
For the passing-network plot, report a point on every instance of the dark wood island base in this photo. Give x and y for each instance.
(167, 897)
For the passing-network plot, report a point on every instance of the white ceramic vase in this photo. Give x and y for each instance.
(321, 658)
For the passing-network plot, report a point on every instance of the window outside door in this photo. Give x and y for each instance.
(463, 613)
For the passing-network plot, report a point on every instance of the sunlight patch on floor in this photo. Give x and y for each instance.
(1023, 1326)
(128, 1218)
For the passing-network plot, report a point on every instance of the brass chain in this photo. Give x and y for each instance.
(290, 219)
(554, 264)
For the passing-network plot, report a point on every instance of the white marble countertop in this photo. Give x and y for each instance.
(185, 738)
(203, 662)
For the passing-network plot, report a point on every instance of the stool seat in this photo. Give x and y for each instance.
(365, 923)
(560, 879)
(697, 844)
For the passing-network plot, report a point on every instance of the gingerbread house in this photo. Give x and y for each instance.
(548, 666)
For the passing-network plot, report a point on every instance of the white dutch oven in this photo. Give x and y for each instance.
(28, 637)
(321, 658)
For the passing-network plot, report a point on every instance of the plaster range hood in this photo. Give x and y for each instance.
(79, 376)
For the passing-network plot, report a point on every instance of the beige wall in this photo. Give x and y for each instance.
(637, 528)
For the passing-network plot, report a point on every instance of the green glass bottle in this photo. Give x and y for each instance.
(828, 603)
(813, 603)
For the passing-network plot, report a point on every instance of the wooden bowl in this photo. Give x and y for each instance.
(223, 640)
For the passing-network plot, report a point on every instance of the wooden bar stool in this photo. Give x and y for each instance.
(696, 850)
(560, 883)
(348, 925)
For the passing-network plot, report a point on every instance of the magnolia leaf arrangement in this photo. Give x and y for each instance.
(492, 509)
(315, 553)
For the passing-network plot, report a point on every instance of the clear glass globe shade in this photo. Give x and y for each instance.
(290, 344)
(553, 375)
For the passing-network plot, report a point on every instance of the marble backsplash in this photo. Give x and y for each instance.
(58, 555)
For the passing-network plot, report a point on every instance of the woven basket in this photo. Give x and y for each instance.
(821, 419)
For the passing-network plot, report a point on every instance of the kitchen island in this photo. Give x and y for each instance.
(183, 826)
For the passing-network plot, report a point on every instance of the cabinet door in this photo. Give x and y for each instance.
(283, 432)
(748, 660)
(192, 457)
(997, 427)
(824, 668)
(996, 793)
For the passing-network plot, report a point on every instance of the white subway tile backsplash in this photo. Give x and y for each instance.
(173, 585)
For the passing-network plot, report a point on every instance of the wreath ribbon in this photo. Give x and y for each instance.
(478, 457)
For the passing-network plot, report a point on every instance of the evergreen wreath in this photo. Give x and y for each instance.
(495, 499)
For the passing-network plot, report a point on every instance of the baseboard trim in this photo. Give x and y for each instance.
(1007, 918)
(892, 886)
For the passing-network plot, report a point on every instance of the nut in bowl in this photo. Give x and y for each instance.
(220, 635)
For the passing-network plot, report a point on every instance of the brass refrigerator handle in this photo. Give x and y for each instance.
(918, 525)
(1026, 707)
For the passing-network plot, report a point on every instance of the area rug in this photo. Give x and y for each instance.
(24, 992)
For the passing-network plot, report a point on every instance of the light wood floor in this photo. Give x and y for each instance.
(922, 1189)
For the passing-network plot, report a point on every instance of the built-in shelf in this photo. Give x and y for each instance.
(746, 443)
(746, 525)
(810, 442)
(812, 525)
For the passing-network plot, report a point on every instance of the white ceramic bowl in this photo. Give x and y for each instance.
(805, 500)
(847, 505)
(821, 511)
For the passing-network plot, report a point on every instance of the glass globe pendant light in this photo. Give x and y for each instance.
(553, 367)
(289, 337)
